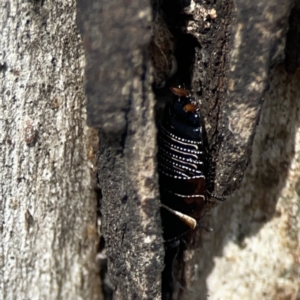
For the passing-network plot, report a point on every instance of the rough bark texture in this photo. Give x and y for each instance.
(259, 30)
(253, 252)
(259, 223)
(48, 205)
(130, 210)
(256, 242)
(121, 103)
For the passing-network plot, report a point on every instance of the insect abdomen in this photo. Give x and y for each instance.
(182, 166)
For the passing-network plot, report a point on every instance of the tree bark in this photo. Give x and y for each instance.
(48, 205)
(238, 42)
(254, 250)
(121, 105)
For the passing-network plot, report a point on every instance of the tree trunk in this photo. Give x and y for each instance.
(232, 46)
(48, 205)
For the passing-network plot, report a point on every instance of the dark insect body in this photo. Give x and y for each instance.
(182, 167)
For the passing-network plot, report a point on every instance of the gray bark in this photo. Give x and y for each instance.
(121, 104)
(48, 204)
(253, 251)
(258, 34)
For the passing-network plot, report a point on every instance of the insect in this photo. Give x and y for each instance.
(182, 167)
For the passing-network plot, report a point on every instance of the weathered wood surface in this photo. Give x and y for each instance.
(121, 105)
(130, 210)
(253, 252)
(256, 246)
(258, 36)
(255, 223)
(48, 205)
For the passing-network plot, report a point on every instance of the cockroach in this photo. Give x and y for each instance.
(182, 165)
(183, 168)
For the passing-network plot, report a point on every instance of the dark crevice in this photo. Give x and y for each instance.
(197, 43)
(292, 48)
(106, 287)
(3, 67)
(185, 49)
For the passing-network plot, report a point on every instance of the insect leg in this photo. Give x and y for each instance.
(189, 221)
